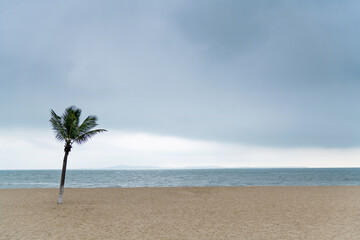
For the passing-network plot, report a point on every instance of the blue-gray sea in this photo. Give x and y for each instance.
(181, 178)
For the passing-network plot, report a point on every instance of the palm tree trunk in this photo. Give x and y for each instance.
(62, 182)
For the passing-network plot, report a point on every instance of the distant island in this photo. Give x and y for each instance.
(127, 167)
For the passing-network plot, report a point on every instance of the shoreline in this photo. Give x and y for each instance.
(259, 212)
(164, 187)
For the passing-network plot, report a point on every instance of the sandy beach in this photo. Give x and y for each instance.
(182, 213)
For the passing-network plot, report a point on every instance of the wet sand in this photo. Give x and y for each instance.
(182, 213)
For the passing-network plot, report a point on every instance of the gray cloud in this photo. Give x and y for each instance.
(274, 73)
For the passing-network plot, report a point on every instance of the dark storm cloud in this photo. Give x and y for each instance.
(283, 40)
(280, 73)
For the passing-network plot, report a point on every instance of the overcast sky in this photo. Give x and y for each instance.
(261, 81)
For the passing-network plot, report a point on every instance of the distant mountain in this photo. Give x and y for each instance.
(202, 167)
(126, 167)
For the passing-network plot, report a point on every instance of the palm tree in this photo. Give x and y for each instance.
(67, 128)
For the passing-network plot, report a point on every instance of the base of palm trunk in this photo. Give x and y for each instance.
(60, 195)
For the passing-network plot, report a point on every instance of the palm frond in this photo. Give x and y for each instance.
(57, 126)
(88, 124)
(77, 113)
(71, 119)
(86, 136)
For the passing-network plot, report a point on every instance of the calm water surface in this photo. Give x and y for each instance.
(180, 178)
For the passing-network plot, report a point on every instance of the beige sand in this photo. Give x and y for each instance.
(182, 213)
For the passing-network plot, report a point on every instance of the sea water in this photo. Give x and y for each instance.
(181, 178)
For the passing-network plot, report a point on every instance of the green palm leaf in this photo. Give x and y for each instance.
(88, 124)
(71, 119)
(57, 126)
(86, 136)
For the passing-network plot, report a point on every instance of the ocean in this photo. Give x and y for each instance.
(181, 178)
